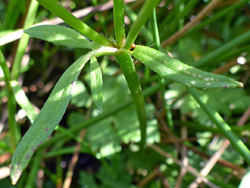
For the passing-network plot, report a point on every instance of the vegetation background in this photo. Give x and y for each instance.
(185, 148)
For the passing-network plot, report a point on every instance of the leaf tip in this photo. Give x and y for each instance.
(241, 85)
(27, 30)
(15, 174)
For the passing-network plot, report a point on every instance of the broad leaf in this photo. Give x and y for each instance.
(61, 35)
(96, 83)
(171, 68)
(48, 119)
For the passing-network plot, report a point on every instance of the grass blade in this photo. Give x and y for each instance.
(48, 118)
(171, 68)
(23, 43)
(23, 101)
(14, 132)
(224, 128)
(222, 50)
(96, 83)
(61, 35)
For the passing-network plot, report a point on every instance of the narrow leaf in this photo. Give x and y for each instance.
(96, 83)
(48, 119)
(23, 101)
(173, 69)
(61, 35)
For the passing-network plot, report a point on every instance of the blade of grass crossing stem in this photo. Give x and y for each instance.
(168, 67)
(23, 42)
(96, 84)
(225, 129)
(118, 12)
(224, 49)
(11, 104)
(156, 37)
(143, 16)
(47, 119)
(54, 7)
(127, 65)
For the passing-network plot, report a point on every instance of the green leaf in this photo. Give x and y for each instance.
(61, 35)
(48, 118)
(173, 69)
(96, 83)
(23, 101)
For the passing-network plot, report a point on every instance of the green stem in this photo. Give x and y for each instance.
(118, 11)
(54, 7)
(29, 20)
(225, 129)
(15, 136)
(203, 128)
(143, 16)
(157, 41)
(155, 30)
(127, 65)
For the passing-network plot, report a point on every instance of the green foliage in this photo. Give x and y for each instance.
(80, 96)
(47, 119)
(61, 36)
(119, 134)
(165, 66)
(112, 174)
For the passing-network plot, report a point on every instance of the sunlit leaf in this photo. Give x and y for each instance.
(96, 83)
(171, 68)
(61, 35)
(23, 101)
(48, 119)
